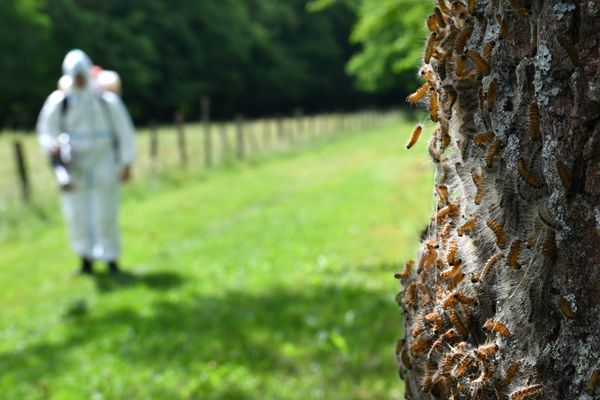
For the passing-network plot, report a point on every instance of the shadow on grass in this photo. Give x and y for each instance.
(106, 282)
(339, 335)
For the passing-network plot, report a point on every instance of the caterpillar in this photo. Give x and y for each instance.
(484, 137)
(498, 231)
(452, 250)
(460, 327)
(564, 175)
(418, 94)
(449, 209)
(459, 66)
(503, 32)
(400, 346)
(429, 46)
(439, 18)
(534, 120)
(418, 329)
(489, 265)
(485, 375)
(491, 95)
(488, 47)
(461, 298)
(450, 271)
(566, 308)
(442, 191)
(472, 6)
(482, 66)
(419, 347)
(528, 176)
(493, 325)
(491, 153)
(529, 391)
(406, 359)
(408, 267)
(433, 105)
(414, 137)
(549, 244)
(519, 9)
(462, 38)
(593, 382)
(484, 352)
(435, 319)
(512, 260)
(462, 366)
(432, 23)
(443, 7)
(467, 226)
(448, 363)
(411, 294)
(446, 231)
(511, 372)
(456, 279)
(478, 181)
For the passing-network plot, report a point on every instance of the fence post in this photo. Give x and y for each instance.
(22, 170)
(225, 151)
(181, 138)
(239, 125)
(153, 142)
(299, 125)
(280, 132)
(205, 101)
(266, 125)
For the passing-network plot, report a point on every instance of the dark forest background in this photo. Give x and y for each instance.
(256, 57)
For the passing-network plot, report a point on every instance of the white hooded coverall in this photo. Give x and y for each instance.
(101, 135)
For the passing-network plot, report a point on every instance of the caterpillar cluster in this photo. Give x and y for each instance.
(456, 328)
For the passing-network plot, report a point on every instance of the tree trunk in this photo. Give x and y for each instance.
(504, 299)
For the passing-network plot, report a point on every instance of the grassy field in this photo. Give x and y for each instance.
(269, 280)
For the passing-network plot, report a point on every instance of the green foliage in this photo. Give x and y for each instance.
(257, 57)
(284, 291)
(391, 35)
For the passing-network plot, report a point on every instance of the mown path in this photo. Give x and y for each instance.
(270, 281)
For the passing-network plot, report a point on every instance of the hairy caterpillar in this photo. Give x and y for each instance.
(564, 175)
(406, 359)
(419, 347)
(461, 298)
(534, 120)
(446, 231)
(498, 231)
(439, 18)
(472, 6)
(443, 7)
(435, 319)
(528, 176)
(442, 191)
(519, 8)
(462, 38)
(491, 153)
(511, 372)
(418, 329)
(411, 294)
(503, 26)
(478, 181)
(488, 47)
(455, 280)
(459, 66)
(593, 382)
(408, 267)
(418, 94)
(482, 66)
(481, 98)
(484, 352)
(433, 105)
(448, 210)
(493, 325)
(565, 307)
(462, 366)
(429, 47)
(400, 346)
(414, 137)
(460, 327)
(491, 95)
(467, 226)
(489, 265)
(484, 137)
(512, 260)
(549, 244)
(526, 392)
(452, 250)
(453, 270)
(432, 23)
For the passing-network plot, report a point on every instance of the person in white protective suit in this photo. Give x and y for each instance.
(102, 147)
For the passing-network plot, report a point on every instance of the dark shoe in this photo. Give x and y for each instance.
(86, 266)
(113, 267)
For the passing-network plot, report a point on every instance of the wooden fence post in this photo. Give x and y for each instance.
(225, 151)
(299, 125)
(280, 131)
(22, 170)
(266, 125)
(208, 159)
(181, 138)
(153, 142)
(239, 125)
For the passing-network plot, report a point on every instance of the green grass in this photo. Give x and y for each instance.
(265, 281)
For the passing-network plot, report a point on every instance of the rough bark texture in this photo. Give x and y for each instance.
(503, 301)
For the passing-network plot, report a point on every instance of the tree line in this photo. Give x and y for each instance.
(257, 57)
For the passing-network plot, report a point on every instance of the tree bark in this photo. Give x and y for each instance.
(504, 298)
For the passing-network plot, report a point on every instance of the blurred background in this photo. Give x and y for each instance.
(272, 200)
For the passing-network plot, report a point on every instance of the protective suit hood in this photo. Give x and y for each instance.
(77, 62)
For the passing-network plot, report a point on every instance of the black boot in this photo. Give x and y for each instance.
(113, 267)
(86, 266)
